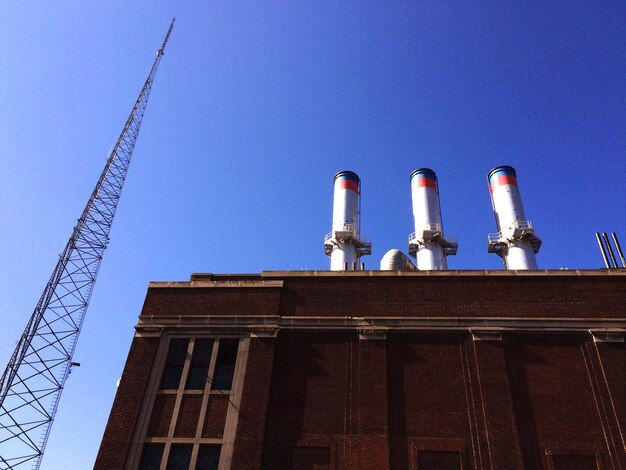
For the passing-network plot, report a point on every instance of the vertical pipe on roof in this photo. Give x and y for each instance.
(343, 243)
(609, 249)
(619, 249)
(602, 250)
(428, 244)
(516, 242)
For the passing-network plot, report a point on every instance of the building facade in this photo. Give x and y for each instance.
(417, 370)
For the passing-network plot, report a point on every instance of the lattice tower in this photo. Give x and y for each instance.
(31, 385)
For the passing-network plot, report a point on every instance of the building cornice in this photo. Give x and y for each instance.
(481, 327)
(275, 278)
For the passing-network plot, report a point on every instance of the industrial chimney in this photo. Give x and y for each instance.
(516, 241)
(343, 244)
(428, 244)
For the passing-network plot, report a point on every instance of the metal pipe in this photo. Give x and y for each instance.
(428, 244)
(619, 249)
(610, 249)
(516, 241)
(601, 245)
(427, 217)
(343, 243)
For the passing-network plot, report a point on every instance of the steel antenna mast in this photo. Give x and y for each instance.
(32, 382)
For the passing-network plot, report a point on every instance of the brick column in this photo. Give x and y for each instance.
(496, 402)
(115, 446)
(373, 416)
(248, 447)
(607, 361)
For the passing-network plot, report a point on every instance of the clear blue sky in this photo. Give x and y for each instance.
(255, 107)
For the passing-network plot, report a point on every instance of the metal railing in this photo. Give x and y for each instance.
(494, 237)
(522, 224)
(345, 229)
(433, 229)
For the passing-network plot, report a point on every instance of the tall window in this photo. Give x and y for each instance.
(180, 457)
(199, 367)
(225, 366)
(208, 457)
(174, 364)
(187, 425)
(151, 457)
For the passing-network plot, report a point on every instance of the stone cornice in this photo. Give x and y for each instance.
(274, 278)
(229, 283)
(481, 328)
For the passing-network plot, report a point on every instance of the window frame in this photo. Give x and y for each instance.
(153, 390)
(167, 364)
(461, 446)
(316, 443)
(601, 456)
(154, 446)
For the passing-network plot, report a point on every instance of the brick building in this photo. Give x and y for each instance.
(376, 370)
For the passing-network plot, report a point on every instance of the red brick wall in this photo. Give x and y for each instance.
(371, 395)
(554, 403)
(374, 404)
(161, 416)
(465, 296)
(126, 407)
(441, 296)
(613, 371)
(211, 301)
(611, 374)
(606, 367)
(492, 398)
(251, 424)
(500, 404)
(187, 421)
(311, 401)
(427, 395)
(215, 417)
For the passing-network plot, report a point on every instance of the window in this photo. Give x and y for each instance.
(225, 364)
(199, 366)
(208, 457)
(574, 462)
(151, 457)
(310, 458)
(180, 457)
(174, 364)
(438, 460)
(187, 423)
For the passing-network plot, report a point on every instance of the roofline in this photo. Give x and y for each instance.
(270, 278)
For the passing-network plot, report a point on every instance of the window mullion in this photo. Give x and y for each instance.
(205, 404)
(179, 399)
(206, 392)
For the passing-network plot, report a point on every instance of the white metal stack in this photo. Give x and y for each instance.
(343, 244)
(516, 241)
(428, 243)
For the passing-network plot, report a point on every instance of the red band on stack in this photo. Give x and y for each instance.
(344, 183)
(422, 181)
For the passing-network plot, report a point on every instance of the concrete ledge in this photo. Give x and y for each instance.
(486, 334)
(268, 278)
(608, 335)
(480, 328)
